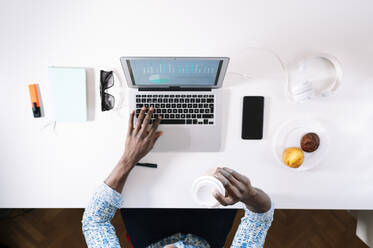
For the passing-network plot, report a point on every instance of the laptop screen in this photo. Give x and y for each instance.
(174, 72)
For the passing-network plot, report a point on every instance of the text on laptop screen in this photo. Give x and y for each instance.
(174, 72)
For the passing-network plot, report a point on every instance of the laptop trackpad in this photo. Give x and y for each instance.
(174, 139)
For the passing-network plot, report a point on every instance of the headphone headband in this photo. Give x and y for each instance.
(308, 91)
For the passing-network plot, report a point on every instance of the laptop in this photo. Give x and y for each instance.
(186, 92)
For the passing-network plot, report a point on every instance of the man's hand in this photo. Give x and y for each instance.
(140, 139)
(238, 188)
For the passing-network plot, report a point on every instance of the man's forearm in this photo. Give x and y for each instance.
(119, 174)
(260, 202)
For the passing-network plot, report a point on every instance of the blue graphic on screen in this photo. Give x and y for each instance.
(174, 72)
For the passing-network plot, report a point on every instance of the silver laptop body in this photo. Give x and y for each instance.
(186, 92)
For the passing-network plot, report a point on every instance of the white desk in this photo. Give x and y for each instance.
(42, 170)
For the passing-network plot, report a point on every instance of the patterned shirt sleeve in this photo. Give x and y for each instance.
(96, 225)
(253, 229)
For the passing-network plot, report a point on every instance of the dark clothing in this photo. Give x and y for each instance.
(147, 226)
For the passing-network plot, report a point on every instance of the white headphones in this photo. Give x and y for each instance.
(302, 89)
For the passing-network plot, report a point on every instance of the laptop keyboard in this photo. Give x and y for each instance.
(183, 109)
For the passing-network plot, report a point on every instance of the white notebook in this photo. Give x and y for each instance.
(69, 92)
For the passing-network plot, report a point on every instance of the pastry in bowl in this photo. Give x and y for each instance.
(310, 142)
(293, 157)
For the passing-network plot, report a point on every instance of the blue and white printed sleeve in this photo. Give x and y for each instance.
(96, 223)
(253, 229)
(99, 233)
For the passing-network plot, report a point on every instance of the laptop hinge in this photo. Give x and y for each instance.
(174, 88)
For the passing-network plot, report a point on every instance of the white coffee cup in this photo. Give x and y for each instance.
(203, 189)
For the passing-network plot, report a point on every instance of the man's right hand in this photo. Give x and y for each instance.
(140, 139)
(238, 188)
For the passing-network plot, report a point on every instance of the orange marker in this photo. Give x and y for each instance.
(34, 100)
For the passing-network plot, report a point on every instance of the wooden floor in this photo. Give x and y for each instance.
(55, 228)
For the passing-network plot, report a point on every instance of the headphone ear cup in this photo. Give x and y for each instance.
(326, 93)
(303, 91)
(306, 95)
(300, 87)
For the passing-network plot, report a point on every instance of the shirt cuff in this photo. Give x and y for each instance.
(260, 217)
(109, 195)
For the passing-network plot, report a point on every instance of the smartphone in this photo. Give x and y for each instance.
(252, 117)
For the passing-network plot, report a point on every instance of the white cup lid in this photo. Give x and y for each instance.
(203, 189)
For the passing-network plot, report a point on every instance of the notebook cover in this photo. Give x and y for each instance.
(69, 91)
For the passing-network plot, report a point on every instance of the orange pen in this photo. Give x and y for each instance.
(34, 100)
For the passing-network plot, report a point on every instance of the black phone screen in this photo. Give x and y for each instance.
(252, 117)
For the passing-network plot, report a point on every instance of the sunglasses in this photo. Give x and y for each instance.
(106, 82)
